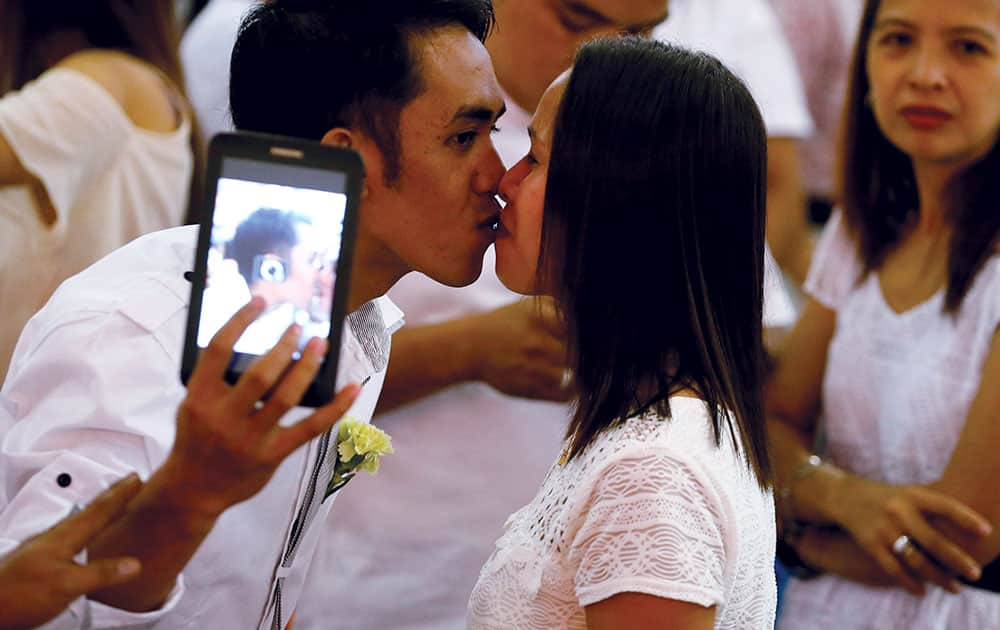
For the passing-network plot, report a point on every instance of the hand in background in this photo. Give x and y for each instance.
(876, 515)
(521, 350)
(39, 579)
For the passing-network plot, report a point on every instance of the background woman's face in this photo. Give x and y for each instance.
(934, 70)
(519, 237)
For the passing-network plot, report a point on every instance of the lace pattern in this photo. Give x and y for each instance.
(652, 506)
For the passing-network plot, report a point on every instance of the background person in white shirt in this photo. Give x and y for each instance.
(658, 513)
(473, 429)
(106, 406)
(95, 141)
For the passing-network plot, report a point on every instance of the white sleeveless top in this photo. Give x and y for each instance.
(108, 180)
(651, 506)
(896, 393)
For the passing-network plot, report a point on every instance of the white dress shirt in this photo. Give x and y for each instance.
(747, 37)
(93, 390)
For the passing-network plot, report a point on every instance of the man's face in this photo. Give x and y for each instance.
(535, 40)
(438, 217)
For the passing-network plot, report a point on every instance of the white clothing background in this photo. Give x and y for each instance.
(205, 50)
(93, 391)
(746, 36)
(896, 394)
(108, 180)
(405, 547)
(651, 506)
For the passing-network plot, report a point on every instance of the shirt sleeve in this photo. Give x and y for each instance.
(835, 267)
(653, 526)
(85, 413)
(65, 129)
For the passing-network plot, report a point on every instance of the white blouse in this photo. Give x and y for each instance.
(896, 393)
(651, 506)
(108, 181)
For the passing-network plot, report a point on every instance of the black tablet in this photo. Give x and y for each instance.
(278, 221)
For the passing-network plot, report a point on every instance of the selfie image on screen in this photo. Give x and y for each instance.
(277, 242)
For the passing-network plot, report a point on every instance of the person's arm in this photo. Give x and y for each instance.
(517, 349)
(792, 397)
(834, 551)
(225, 451)
(40, 578)
(974, 468)
(638, 611)
(787, 225)
(873, 513)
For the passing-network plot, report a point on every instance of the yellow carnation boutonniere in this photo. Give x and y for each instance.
(359, 446)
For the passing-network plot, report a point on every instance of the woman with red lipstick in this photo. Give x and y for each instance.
(895, 361)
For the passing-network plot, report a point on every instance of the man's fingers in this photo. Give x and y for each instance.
(215, 358)
(290, 438)
(79, 529)
(100, 574)
(954, 510)
(267, 371)
(293, 384)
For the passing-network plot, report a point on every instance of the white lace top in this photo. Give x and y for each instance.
(896, 392)
(651, 506)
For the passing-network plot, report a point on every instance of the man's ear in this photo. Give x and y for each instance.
(369, 152)
(339, 137)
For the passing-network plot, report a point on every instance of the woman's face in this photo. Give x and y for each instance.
(934, 70)
(519, 237)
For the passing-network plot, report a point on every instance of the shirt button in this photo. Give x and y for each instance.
(64, 480)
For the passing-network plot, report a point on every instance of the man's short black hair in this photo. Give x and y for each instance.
(265, 231)
(302, 67)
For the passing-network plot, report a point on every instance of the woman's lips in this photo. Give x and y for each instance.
(924, 118)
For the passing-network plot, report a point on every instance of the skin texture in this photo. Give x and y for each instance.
(523, 188)
(40, 578)
(437, 218)
(535, 40)
(940, 54)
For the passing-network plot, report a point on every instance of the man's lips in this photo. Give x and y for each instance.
(925, 117)
(491, 222)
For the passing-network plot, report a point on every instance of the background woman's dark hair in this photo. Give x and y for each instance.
(654, 238)
(146, 29)
(879, 191)
(303, 67)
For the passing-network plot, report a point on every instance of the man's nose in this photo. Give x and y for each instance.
(490, 173)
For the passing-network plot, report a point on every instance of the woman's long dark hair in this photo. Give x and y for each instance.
(879, 193)
(145, 29)
(653, 238)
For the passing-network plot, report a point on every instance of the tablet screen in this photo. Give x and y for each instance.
(276, 233)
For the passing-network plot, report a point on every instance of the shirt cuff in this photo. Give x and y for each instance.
(85, 613)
